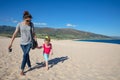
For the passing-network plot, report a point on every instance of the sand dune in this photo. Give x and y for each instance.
(72, 60)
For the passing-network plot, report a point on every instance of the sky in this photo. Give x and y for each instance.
(96, 16)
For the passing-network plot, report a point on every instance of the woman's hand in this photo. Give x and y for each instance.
(13, 37)
(9, 46)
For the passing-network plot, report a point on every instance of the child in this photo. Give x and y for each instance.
(47, 50)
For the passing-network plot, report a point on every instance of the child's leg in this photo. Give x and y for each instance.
(46, 56)
(46, 65)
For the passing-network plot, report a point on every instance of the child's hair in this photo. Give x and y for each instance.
(47, 38)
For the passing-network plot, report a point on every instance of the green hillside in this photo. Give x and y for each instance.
(67, 33)
(63, 33)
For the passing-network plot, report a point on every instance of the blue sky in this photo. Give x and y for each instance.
(97, 16)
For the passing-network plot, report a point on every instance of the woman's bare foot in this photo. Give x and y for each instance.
(22, 73)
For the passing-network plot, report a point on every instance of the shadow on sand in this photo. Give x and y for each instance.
(51, 62)
(57, 60)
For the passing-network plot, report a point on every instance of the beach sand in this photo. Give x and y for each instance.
(72, 60)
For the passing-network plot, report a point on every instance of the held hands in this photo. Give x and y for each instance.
(39, 47)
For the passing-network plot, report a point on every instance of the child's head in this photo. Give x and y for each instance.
(47, 39)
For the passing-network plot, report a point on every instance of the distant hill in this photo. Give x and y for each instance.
(115, 37)
(63, 33)
(6, 31)
(68, 33)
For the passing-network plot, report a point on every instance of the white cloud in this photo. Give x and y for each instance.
(14, 21)
(70, 25)
(9, 19)
(40, 24)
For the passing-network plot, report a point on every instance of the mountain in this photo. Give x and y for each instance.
(68, 33)
(115, 37)
(63, 33)
(6, 30)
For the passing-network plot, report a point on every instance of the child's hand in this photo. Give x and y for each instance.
(51, 53)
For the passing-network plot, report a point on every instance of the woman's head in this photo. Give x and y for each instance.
(27, 16)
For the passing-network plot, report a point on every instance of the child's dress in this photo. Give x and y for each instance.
(46, 51)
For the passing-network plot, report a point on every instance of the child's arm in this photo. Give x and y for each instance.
(51, 52)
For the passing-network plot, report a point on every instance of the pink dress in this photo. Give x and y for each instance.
(47, 48)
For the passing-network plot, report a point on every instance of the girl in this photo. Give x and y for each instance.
(24, 29)
(47, 50)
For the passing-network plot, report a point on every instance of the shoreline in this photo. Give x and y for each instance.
(102, 41)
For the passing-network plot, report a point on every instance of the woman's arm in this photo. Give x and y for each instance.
(39, 47)
(13, 37)
(33, 32)
(35, 37)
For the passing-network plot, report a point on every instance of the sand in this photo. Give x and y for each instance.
(72, 60)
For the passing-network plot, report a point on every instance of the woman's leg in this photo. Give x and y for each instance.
(24, 57)
(26, 49)
(23, 61)
(28, 57)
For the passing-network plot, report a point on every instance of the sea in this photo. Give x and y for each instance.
(102, 41)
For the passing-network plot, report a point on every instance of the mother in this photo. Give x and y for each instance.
(24, 29)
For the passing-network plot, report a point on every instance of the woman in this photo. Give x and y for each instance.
(24, 28)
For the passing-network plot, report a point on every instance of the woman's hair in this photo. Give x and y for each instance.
(26, 14)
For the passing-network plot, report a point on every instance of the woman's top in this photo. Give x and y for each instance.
(25, 32)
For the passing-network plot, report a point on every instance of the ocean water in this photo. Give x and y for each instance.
(103, 41)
